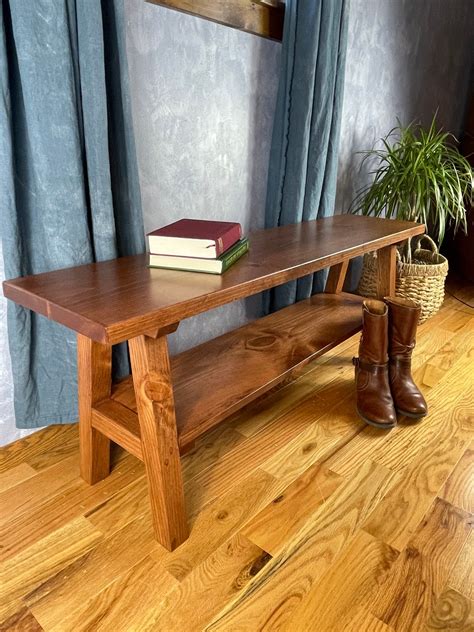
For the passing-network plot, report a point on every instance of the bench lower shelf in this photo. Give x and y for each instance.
(219, 377)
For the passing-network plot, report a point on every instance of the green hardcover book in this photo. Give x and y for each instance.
(196, 264)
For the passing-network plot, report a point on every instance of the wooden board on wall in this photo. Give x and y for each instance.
(261, 17)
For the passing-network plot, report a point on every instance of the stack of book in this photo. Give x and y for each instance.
(197, 245)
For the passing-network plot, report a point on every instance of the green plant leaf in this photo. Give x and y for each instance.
(417, 174)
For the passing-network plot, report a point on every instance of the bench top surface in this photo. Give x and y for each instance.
(115, 300)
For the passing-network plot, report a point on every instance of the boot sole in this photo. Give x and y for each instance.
(411, 415)
(376, 424)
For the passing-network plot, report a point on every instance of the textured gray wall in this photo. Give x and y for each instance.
(203, 98)
(203, 102)
(405, 59)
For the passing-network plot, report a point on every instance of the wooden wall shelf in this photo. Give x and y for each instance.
(260, 17)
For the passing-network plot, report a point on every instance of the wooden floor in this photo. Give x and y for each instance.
(302, 517)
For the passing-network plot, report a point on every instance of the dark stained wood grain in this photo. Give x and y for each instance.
(217, 378)
(262, 17)
(116, 300)
(336, 277)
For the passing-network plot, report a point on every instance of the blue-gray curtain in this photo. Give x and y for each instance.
(69, 189)
(303, 157)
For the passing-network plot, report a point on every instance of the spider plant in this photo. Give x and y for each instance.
(418, 175)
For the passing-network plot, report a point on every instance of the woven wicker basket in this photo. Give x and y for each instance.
(422, 279)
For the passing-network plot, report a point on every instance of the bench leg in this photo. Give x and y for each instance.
(386, 271)
(336, 277)
(94, 366)
(156, 413)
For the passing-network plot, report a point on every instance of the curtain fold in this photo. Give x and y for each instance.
(303, 155)
(69, 179)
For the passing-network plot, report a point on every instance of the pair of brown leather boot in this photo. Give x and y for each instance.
(384, 382)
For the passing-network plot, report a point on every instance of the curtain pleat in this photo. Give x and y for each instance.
(303, 156)
(69, 179)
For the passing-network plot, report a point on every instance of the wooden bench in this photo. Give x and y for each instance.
(166, 404)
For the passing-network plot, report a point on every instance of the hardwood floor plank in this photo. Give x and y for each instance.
(461, 288)
(211, 585)
(116, 512)
(210, 448)
(404, 446)
(219, 521)
(236, 464)
(344, 586)
(35, 565)
(132, 602)
(16, 475)
(457, 339)
(451, 612)
(35, 490)
(270, 599)
(462, 574)
(441, 362)
(279, 521)
(397, 516)
(79, 498)
(359, 449)
(407, 593)
(41, 449)
(321, 439)
(441, 536)
(362, 621)
(91, 573)
(21, 621)
(262, 413)
(459, 488)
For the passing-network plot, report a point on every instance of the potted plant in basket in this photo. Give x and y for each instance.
(418, 175)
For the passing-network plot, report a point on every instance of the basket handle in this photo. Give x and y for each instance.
(407, 247)
(433, 246)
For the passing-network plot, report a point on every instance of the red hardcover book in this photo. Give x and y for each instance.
(194, 238)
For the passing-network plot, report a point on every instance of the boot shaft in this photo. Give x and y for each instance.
(403, 315)
(373, 346)
(374, 399)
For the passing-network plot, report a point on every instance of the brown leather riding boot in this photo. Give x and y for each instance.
(403, 315)
(374, 400)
